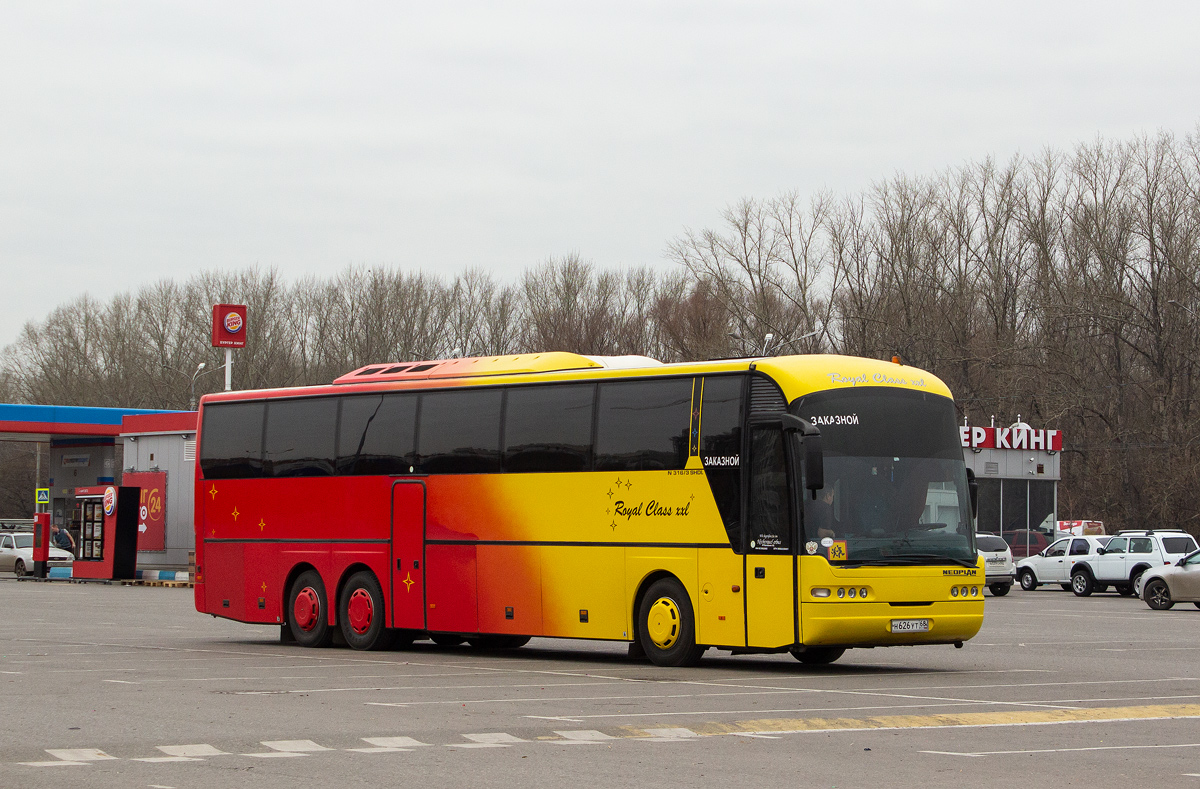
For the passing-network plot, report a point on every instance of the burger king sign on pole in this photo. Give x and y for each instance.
(229, 332)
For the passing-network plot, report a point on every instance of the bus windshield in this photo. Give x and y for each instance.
(895, 482)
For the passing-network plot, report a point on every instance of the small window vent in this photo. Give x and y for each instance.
(991, 467)
(189, 449)
(765, 397)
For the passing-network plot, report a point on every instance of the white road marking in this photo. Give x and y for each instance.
(120, 681)
(669, 735)
(167, 759)
(394, 742)
(294, 746)
(582, 737)
(274, 754)
(756, 736)
(79, 754)
(1066, 750)
(562, 718)
(494, 738)
(380, 750)
(58, 763)
(191, 750)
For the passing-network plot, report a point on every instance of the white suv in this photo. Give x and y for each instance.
(1056, 563)
(997, 563)
(1126, 556)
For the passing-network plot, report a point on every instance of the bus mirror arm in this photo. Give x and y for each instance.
(814, 456)
(973, 488)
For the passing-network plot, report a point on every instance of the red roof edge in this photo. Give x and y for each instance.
(179, 422)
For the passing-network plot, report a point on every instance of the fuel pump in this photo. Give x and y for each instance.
(41, 543)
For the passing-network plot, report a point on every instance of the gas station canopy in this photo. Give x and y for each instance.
(43, 422)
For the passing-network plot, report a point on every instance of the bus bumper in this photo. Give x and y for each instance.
(878, 624)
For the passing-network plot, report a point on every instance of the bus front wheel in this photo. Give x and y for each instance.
(667, 627)
(361, 613)
(308, 611)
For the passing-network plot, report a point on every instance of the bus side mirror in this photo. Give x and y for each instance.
(814, 454)
(973, 488)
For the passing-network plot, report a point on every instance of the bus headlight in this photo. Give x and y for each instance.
(862, 592)
(954, 591)
(841, 592)
(820, 592)
(974, 591)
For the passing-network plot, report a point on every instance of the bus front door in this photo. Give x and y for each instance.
(408, 555)
(770, 561)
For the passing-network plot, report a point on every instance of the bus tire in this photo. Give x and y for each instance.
(308, 611)
(818, 656)
(667, 627)
(361, 612)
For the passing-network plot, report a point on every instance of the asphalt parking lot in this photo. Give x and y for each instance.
(129, 686)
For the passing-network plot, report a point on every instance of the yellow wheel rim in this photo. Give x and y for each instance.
(662, 624)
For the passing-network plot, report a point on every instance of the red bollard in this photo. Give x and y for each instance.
(41, 544)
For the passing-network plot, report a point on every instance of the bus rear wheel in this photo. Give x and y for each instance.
(666, 625)
(818, 656)
(308, 611)
(361, 612)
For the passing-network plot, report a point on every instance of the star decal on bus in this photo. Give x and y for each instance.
(610, 493)
(214, 491)
(408, 582)
(262, 524)
(235, 514)
(264, 587)
(613, 525)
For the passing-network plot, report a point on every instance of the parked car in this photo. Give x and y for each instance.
(1127, 556)
(1055, 564)
(1163, 587)
(1026, 542)
(16, 554)
(997, 562)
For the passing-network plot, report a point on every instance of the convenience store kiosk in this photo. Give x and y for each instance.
(107, 547)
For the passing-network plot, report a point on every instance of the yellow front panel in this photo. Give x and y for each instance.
(583, 578)
(720, 617)
(891, 593)
(770, 616)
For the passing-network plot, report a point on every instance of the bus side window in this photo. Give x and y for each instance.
(548, 428)
(459, 432)
(768, 508)
(299, 437)
(231, 440)
(377, 434)
(643, 425)
(721, 449)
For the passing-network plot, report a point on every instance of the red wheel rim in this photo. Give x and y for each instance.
(361, 610)
(307, 611)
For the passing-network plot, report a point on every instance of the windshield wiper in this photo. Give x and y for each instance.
(926, 556)
(905, 559)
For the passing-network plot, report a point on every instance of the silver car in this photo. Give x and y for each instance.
(16, 554)
(1163, 587)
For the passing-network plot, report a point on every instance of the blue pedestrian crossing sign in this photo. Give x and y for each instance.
(43, 495)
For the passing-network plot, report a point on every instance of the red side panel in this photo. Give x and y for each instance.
(408, 555)
(510, 590)
(451, 588)
(224, 582)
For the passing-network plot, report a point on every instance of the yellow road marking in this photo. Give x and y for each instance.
(965, 719)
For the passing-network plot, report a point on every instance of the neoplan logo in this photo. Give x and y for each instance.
(958, 572)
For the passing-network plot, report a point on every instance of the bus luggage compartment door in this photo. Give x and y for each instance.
(408, 555)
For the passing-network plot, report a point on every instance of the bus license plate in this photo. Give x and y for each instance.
(910, 625)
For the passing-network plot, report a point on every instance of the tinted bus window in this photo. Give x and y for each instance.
(299, 437)
(231, 441)
(721, 448)
(642, 425)
(377, 434)
(768, 508)
(548, 428)
(460, 432)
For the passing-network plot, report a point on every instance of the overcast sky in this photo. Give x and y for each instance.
(143, 140)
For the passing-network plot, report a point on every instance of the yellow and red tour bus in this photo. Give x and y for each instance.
(808, 504)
